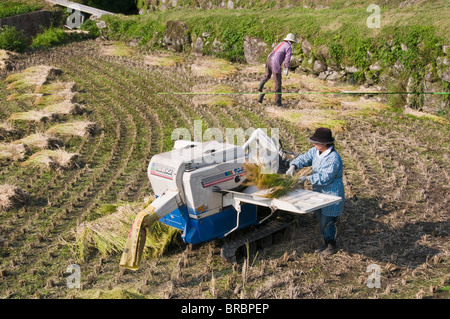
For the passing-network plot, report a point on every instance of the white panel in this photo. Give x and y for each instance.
(298, 201)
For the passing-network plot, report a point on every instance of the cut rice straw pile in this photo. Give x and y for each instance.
(108, 234)
(32, 116)
(12, 151)
(54, 159)
(12, 197)
(41, 141)
(216, 68)
(77, 128)
(164, 60)
(277, 185)
(213, 95)
(31, 78)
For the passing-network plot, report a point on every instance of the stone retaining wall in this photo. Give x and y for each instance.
(30, 23)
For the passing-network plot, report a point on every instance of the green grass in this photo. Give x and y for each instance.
(12, 8)
(338, 27)
(49, 38)
(12, 40)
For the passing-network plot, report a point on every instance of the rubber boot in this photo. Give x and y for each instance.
(261, 86)
(321, 248)
(330, 250)
(261, 98)
(278, 98)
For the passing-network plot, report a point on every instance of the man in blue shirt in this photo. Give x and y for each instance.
(326, 178)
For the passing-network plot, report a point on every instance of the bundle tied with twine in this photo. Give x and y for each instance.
(111, 234)
(277, 185)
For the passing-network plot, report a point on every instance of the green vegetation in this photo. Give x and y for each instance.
(12, 39)
(91, 26)
(55, 36)
(12, 8)
(344, 30)
(49, 38)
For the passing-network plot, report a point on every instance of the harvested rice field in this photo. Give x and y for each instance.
(80, 123)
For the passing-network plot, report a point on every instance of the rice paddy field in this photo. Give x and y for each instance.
(80, 123)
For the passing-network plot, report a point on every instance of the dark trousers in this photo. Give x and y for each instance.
(276, 78)
(327, 225)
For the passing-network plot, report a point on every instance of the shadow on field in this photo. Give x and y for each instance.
(371, 231)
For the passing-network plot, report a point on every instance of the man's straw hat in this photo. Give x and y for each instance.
(290, 37)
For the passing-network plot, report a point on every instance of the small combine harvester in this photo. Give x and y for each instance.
(200, 190)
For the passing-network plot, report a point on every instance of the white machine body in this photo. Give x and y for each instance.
(197, 171)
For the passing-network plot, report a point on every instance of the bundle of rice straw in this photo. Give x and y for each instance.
(6, 129)
(12, 197)
(277, 185)
(12, 151)
(108, 234)
(33, 116)
(56, 88)
(4, 59)
(54, 159)
(76, 128)
(65, 108)
(42, 141)
(32, 77)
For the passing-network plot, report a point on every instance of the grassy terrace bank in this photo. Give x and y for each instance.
(12, 8)
(343, 28)
(409, 46)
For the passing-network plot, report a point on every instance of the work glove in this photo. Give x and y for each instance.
(291, 170)
(303, 179)
(287, 71)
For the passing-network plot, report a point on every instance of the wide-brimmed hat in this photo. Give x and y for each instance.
(322, 135)
(290, 37)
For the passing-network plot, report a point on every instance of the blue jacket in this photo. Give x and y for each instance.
(326, 177)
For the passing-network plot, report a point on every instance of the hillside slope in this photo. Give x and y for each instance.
(395, 174)
(408, 53)
(80, 122)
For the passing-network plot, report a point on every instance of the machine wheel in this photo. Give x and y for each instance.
(278, 237)
(266, 242)
(244, 252)
(236, 248)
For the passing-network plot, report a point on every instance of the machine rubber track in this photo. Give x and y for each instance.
(263, 236)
